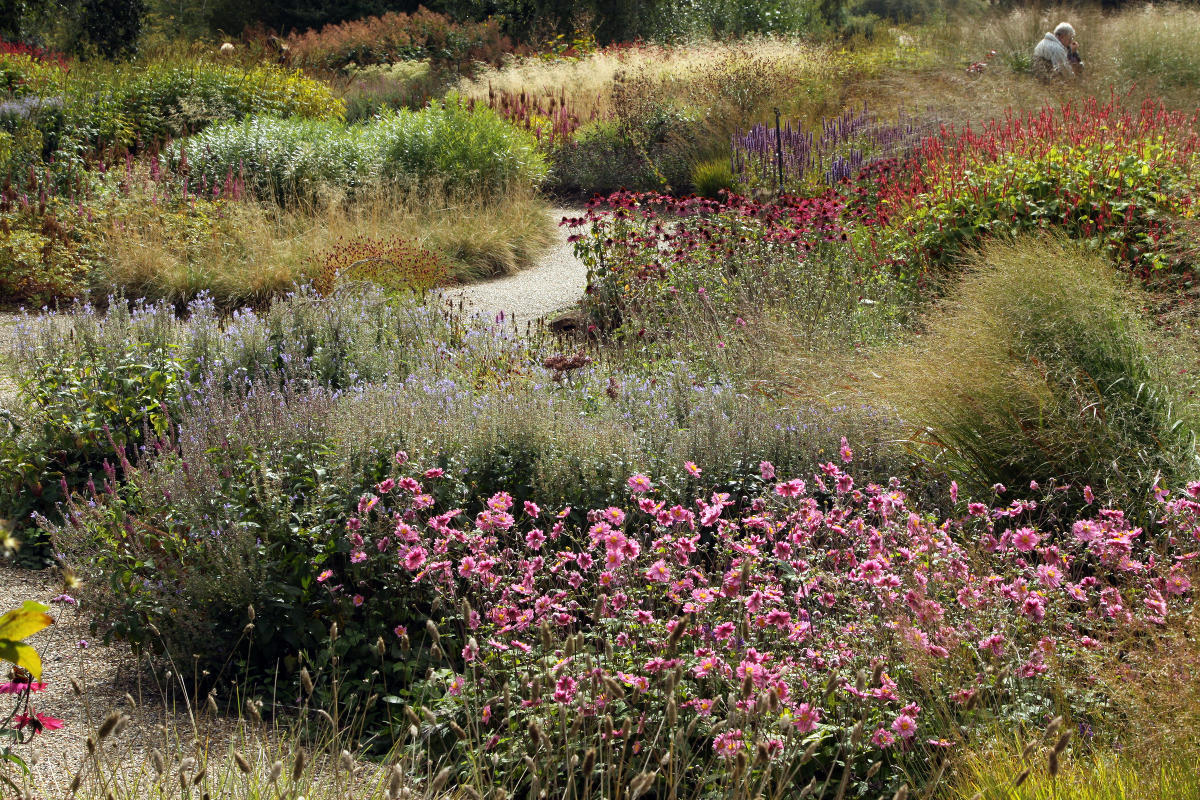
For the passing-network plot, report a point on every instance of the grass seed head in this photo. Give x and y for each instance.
(242, 763)
(298, 765)
(109, 725)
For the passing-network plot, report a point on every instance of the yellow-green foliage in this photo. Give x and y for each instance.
(1099, 775)
(140, 103)
(21, 75)
(1040, 367)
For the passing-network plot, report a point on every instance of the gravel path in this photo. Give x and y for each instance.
(553, 285)
(109, 677)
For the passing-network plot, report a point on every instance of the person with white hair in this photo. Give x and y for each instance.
(1056, 54)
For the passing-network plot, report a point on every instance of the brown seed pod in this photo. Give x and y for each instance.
(242, 763)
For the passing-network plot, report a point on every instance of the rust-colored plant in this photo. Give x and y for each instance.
(395, 264)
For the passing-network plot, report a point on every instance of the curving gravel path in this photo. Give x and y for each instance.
(555, 284)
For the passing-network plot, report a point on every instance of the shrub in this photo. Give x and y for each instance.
(397, 36)
(23, 74)
(85, 413)
(47, 248)
(601, 159)
(726, 623)
(446, 144)
(144, 104)
(458, 147)
(283, 159)
(723, 271)
(1041, 369)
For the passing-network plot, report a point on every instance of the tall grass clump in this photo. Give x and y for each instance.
(1040, 368)
(1098, 775)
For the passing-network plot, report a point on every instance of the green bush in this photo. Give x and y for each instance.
(85, 411)
(1042, 369)
(459, 147)
(446, 144)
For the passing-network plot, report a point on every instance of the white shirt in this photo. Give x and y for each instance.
(1051, 49)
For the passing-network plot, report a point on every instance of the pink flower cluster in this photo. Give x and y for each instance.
(776, 608)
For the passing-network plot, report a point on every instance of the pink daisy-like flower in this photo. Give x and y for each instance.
(692, 469)
(414, 558)
(805, 718)
(639, 484)
(1025, 539)
(324, 576)
(659, 571)
(883, 738)
(728, 744)
(17, 687)
(905, 725)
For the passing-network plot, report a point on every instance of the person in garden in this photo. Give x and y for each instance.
(1056, 55)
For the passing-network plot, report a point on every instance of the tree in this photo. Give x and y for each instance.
(111, 27)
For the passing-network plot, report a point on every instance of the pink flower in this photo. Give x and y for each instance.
(805, 718)
(659, 571)
(357, 557)
(692, 469)
(400, 458)
(466, 567)
(385, 486)
(639, 484)
(358, 600)
(532, 509)
(845, 452)
(1025, 539)
(728, 744)
(414, 558)
(564, 690)
(500, 501)
(953, 491)
(1049, 575)
(400, 630)
(905, 725)
(324, 576)
(767, 470)
(436, 472)
(37, 723)
(1088, 496)
(17, 687)
(883, 738)
(792, 488)
(535, 539)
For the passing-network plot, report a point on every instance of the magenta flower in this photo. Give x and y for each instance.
(639, 484)
(728, 744)
(564, 689)
(767, 470)
(659, 571)
(905, 725)
(805, 718)
(414, 558)
(883, 739)
(692, 469)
